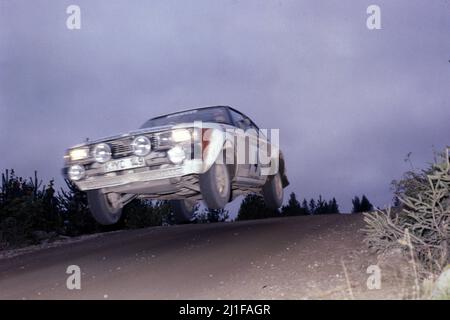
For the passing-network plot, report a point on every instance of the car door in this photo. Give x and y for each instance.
(266, 153)
(241, 142)
(252, 132)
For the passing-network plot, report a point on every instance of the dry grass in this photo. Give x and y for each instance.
(418, 231)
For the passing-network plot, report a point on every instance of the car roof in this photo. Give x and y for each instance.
(200, 108)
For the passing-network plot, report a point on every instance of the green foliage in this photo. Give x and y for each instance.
(253, 207)
(305, 207)
(212, 215)
(325, 207)
(333, 206)
(321, 206)
(312, 206)
(141, 213)
(361, 205)
(74, 208)
(356, 205)
(366, 206)
(26, 207)
(30, 211)
(293, 207)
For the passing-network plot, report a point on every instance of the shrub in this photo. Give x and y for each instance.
(421, 224)
(361, 205)
(254, 207)
(25, 209)
(293, 207)
(212, 215)
(145, 213)
(73, 205)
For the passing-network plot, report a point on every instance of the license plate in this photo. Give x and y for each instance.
(124, 164)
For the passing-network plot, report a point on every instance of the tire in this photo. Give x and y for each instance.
(273, 192)
(215, 186)
(183, 210)
(101, 209)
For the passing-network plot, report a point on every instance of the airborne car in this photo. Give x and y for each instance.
(212, 154)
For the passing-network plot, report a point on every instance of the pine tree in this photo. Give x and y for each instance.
(77, 218)
(212, 215)
(293, 208)
(356, 204)
(366, 206)
(334, 207)
(305, 207)
(253, 207)
(312, 206)
(320, 205)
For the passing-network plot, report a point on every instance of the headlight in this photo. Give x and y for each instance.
(76, 172)
(180, 135)
(176, 155)
(79, 154)
(141, 146)
(102, 152)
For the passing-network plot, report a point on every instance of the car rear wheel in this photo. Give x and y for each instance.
(215, 186)
(273, 191)
(183, 210)
(102, 209)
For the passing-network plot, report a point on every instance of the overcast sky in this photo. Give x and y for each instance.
(350, 102)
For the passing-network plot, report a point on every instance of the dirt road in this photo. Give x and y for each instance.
(284, 258)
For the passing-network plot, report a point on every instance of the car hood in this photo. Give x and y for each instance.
(137, 132)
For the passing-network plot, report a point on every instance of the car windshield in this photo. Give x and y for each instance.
(219, 115)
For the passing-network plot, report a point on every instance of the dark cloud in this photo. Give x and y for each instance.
(350, 103)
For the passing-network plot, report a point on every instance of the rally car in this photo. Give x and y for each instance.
(213, 154)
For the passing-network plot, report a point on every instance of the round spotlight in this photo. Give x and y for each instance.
(141, 146)
(76, 172)
(102, 152)
(176, 155)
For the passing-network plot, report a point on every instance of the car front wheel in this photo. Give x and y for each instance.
(215, 186)
(273, 192)
(102, 209)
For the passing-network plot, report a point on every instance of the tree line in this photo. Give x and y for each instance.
(33, 212)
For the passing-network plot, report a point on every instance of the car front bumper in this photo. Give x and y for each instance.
(130, 180)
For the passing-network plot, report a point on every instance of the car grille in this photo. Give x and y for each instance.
(122, 148)
(155, 142)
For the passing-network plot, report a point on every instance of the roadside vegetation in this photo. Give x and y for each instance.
(416, 230)
(33, 212)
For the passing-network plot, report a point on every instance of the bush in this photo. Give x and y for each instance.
(31, 213)
(361, 205)
(212, 215)
(293, 207)
(77, 218)
(321, 206)
(254, 207)
(144, 213)
(25, 209)
(421, 225)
